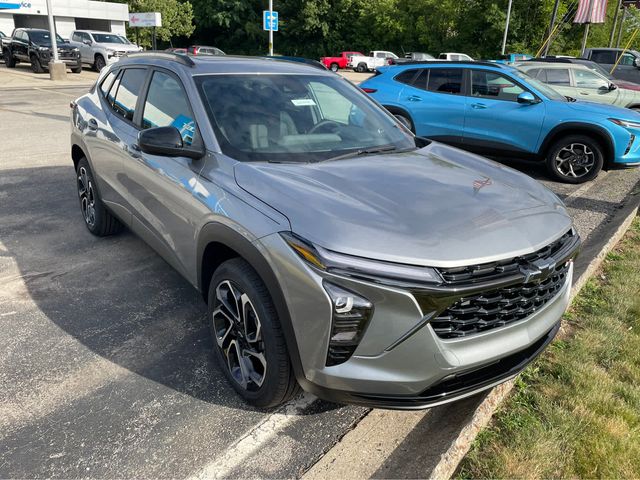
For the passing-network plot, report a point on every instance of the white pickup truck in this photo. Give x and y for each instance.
(376, 58)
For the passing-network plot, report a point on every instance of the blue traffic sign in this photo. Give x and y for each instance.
(270, 20)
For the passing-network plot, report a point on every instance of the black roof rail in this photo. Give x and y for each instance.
(447, 62)
(553, 59)
(175, 57)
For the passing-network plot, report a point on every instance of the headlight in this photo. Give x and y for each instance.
(378, 271)
(625, 123)
(110, 52)
(43, 49)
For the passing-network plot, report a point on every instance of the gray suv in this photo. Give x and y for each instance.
(335, 250)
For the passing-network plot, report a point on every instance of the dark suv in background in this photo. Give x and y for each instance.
(628, 67)
(33, 45)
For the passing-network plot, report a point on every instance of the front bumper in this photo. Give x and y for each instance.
(401, 362)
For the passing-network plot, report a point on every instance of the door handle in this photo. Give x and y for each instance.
(92, 124)
(478, 106)
(414, 98)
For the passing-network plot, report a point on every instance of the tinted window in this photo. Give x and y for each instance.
(533, 72)
(76, 37)
(43, 37)
(381, 55)
(128, 91)
(108, 38)
(166, 105)
(604, 57)
(406, 76)
(558, 76)
(626, 59)
(588, 79)
(488, 84)
(106, 83)
(542, 75)
(445, 80)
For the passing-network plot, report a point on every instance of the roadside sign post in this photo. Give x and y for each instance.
(270, 23)
(146, 19)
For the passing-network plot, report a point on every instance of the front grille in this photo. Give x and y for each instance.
(500, 307)
(338, 354)
(119, 53)
(496, 270)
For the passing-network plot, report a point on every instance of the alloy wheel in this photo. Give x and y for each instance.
(575, 160)
(87, 197)
(238, 334)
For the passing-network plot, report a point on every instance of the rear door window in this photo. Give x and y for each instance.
(558, 76)
(445, 80)
(126, 97)
(606, 57)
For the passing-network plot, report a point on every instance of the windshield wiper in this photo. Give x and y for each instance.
(366, 151)
(570, 99)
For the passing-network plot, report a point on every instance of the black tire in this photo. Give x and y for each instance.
(36, 66)
(77, 69)
(361, 68)
(405, 120)
(97, 218)
(269, 384)
(333, 67)
(575, 159)
(99, 63)
(9, 61)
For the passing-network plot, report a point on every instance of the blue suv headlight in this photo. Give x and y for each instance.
(626, 123)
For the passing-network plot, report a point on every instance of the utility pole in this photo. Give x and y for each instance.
(57, 69)
(586, 28)
(615, 24)
(554, 15)
(271, 28)
(506, 28)
(624, 15)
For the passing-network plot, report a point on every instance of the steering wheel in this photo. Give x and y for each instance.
(325, 126)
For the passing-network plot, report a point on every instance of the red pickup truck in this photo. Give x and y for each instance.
(334, 63)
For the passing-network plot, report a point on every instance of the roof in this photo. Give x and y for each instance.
(95, 31)
(450, 62)
(223, 63)
(552, 65)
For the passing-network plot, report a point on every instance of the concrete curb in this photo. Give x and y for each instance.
(482, 415)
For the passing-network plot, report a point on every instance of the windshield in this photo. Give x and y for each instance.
(108, 38)
(43, 38)
(295, 118)
(543, 88)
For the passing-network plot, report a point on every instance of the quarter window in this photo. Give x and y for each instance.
(167, 105)
(445, 80)
(126, 97)
(488, 84)
(406, 76)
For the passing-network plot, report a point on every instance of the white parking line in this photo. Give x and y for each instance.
(255, 438)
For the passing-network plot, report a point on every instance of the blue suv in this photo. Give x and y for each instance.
(498, 110)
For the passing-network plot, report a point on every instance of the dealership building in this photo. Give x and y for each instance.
(69, 15)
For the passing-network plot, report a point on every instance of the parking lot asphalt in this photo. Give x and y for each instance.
(106, 366)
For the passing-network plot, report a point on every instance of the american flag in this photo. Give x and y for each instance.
(597, 15)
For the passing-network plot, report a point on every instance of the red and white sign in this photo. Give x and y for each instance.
(598, 13)
(147, 19)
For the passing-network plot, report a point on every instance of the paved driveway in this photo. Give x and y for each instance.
(106, 368)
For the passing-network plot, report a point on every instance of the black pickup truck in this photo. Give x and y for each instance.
(33, 45)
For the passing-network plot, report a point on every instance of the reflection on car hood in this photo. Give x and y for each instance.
(601, 109)
(438, 206)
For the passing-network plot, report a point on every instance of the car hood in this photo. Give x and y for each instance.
(438, 206)
(602, 109)
(627, 85)
(119, 47)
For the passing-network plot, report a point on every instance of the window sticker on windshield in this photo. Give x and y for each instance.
(303, 102)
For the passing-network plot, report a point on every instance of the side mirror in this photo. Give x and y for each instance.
(612, 86)
(166, 141)
(526, 98)
(636, 62)
(87, 42)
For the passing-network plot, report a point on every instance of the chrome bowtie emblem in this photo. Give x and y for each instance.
(538, 270)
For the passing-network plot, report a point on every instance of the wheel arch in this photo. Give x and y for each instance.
(77, 152)
(217, 243)
(400, 111)
(577, 128)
